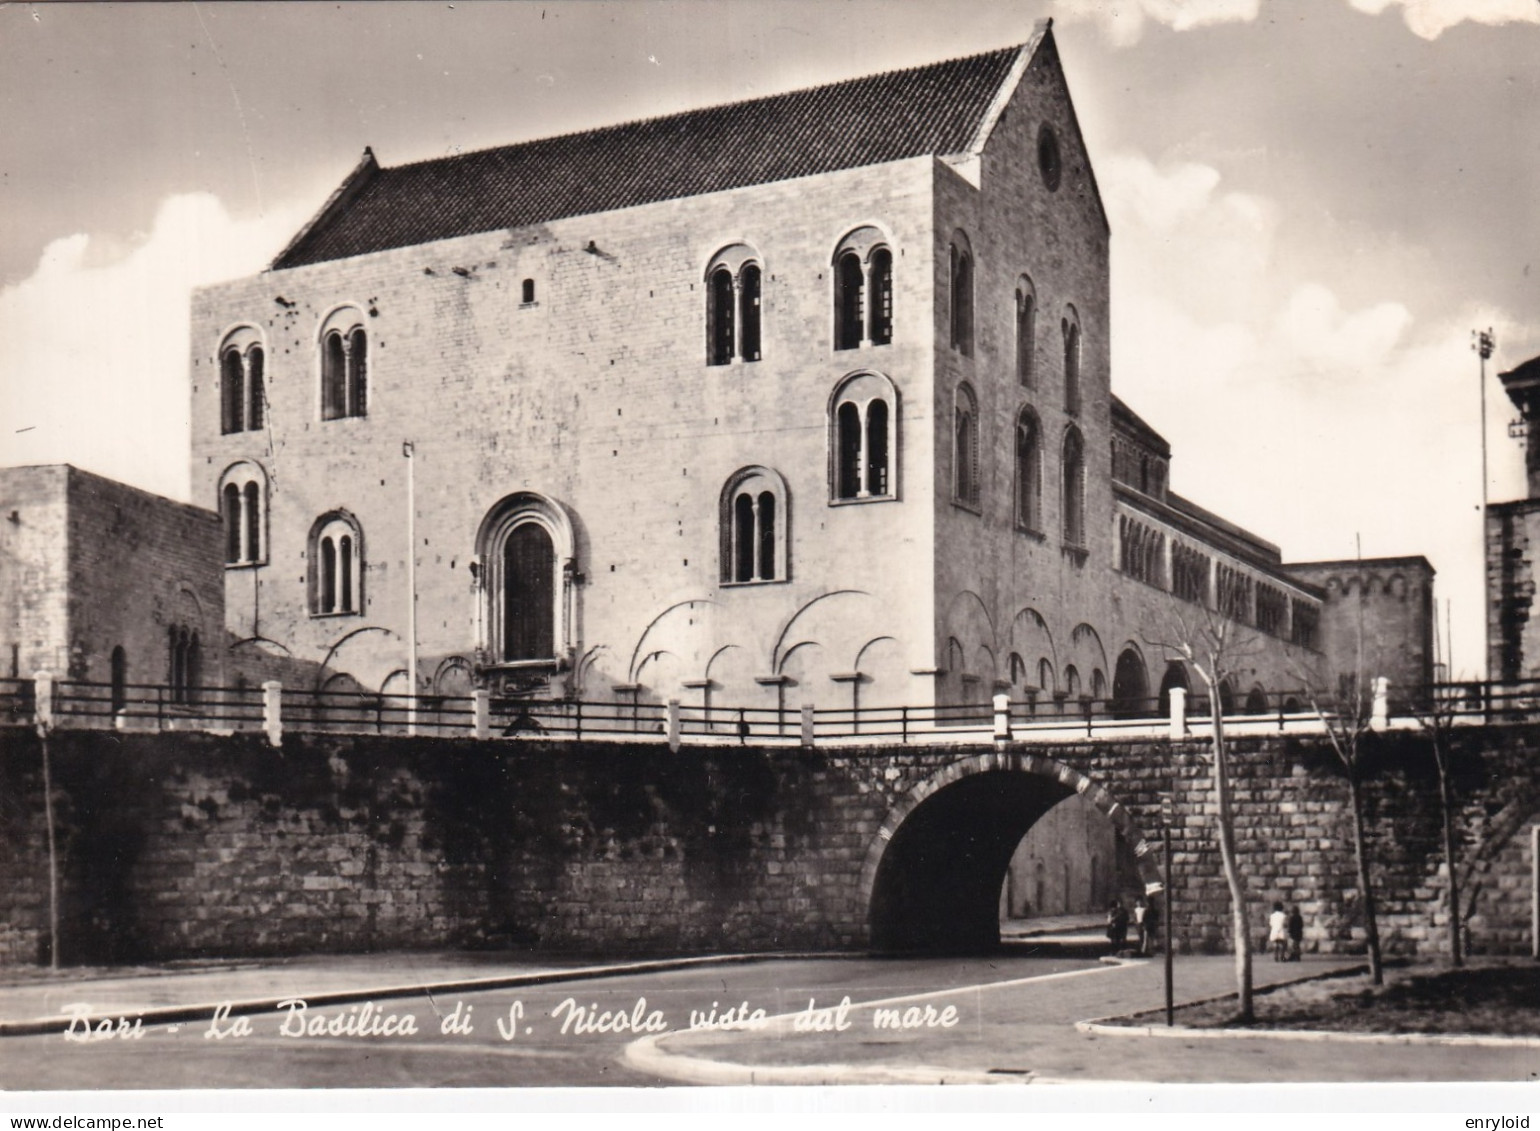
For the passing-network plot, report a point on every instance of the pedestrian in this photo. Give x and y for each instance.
(1117, 926)
(1296, 932)
(1141, 927)
(1278, 932)
(1150, 935)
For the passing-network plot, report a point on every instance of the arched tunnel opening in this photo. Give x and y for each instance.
(947, 877)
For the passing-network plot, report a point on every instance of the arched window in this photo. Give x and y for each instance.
(1130, 685)
(1029, 472)
(243, 506)
(184, 663)
(344, 365)
(733, 294)
(862, 419)
(1045, 676)
(1026, 331)
(242, 396)
(863, 290)
(965, 447)
(1071, 682)
(961, 293)
(1071, 328)
(527, 292)
(753, 523)
(336, 565)
(1073, 495)
(528, 578)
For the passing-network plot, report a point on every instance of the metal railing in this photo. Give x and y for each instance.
(83, 704)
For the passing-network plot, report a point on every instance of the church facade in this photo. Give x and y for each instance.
(804, 399)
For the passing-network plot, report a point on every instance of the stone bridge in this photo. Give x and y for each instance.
(180, 844)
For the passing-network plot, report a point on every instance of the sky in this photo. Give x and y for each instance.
(1313, 205)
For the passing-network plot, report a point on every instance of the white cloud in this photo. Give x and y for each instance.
(1431, 18)
(1301, 418)
(1123, 20)
(93, 359)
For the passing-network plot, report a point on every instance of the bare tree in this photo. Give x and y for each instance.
(1436, 715)
(1348, 719)
(1210, 649)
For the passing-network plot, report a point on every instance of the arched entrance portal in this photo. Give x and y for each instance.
(933, 878)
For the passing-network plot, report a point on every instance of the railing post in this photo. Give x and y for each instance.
(1002, 717)
(578, 737)
(481, 713)
(42, 700)
(1088, 705)
(807, 724)
(272, 711)
(673, 724)
(903, 724)
(1178, 713)
(1380, 717)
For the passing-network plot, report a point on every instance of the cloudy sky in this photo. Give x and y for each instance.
(1313, 203)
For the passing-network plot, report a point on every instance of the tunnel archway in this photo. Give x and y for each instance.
(932, 877)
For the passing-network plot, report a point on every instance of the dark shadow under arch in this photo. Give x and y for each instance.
(933, 877)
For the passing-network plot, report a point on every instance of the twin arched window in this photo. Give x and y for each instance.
(1071, 328)
(527, 575)
(863, 438)
(336, 565)
(961, 294)
(344, 365)
(965, 447)
(1029, 472)
(1073, 497)
(242, 395)
(754, 523)
(243, 506)
(184, 664)
(733, 293)
(863, 290)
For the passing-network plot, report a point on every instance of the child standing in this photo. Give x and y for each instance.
(1278, 932)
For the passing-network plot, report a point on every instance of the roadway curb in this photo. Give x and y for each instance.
(1110, 1027)
(205, 1011)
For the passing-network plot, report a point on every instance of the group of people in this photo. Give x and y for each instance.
(1285, 929)
(1285, 932)
(1145, 919)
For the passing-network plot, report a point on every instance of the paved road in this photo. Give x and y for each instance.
(1006, 1018)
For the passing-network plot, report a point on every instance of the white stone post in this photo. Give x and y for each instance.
(1380, 718)
(42, 700)
(1178, 713)
(673, 724)
(1002, 717)
(481, 713)
(272, 711)
(808, 733)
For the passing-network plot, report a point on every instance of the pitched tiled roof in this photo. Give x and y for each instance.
(937, 109)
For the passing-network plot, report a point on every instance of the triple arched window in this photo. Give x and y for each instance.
(1073, 496)
(734, 284)
(863, 290)
(344, 365)
(528, 576)
(863, 434)
(1070, 326)
(961, 294)
(965, 446)
(242, 391)
(336, 565)
(754, 523)
(1029, 472)
(243, 507)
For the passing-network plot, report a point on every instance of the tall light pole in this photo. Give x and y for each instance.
(411, 587)
(1482, 342)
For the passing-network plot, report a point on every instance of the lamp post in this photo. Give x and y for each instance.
(1483, 341)
(1167, 815)
(408, 452)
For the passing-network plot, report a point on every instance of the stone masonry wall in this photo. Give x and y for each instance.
(180, 844)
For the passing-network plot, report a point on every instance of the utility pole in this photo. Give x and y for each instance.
(408, 451)
(1482, 341)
